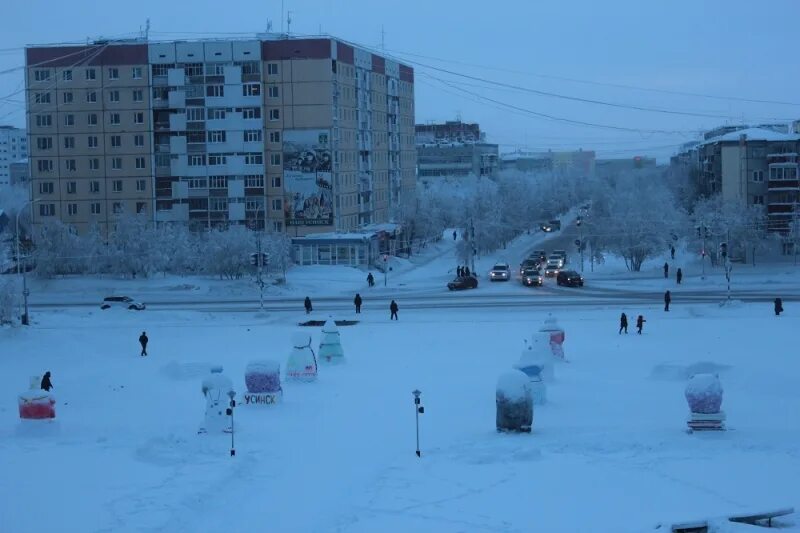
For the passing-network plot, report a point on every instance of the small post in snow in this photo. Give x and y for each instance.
(231, 405)
(418, 410)
(385, 268)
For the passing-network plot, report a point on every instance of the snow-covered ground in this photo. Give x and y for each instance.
(608, 453)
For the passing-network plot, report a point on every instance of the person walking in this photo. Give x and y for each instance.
(667, 300)
(357, 302)
(679, 276)
(307, 305)
(143, 341)
(46, 384)
(672, 252)
(466, 271)
(778, 306)
(454, 234)
(459, 272)
(623, 323)
(393, 308)
(666, 270)
(640, 324)
(370, 279)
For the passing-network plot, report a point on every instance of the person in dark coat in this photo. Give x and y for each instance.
(459, 272)
(778, 306)
(370, 279)
(143, 341)
(466, 271)
(307, 305)
(623, 323)
(454, 234)
(46, 384)
(640, 324)
(667, 300)
(393, 308)
(672, 252)
(666, 270)
(679, 276)
(357, 302)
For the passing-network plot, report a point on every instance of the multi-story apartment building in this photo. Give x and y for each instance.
(454, 149)
(13, 148)
(299, 135)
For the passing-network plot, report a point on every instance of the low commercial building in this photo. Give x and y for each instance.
(454, 149)
(363, 248)
(574, 163)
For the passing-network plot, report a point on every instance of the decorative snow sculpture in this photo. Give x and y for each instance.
(514, 402)
(263, 381)
(302, 363)
(35, 403)
(537, 365)
(330, 345)
(218, 392)
(556, 336)
(704, 395)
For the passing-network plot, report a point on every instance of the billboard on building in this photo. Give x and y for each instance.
(307, 177)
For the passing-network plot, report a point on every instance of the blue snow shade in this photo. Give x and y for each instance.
(534, 372)
(216, 369)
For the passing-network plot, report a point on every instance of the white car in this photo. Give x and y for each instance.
(555, 260)
(122, 302)
(500, 272)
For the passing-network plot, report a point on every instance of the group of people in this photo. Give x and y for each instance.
(623, 324)
(357, 301)
(678, 273)
(462, 271)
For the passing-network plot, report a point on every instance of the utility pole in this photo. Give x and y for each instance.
(288, 22)
(260, 260)
(25, 292)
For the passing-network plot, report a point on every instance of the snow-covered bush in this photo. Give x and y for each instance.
(514, 402)
(9, 299)
(226, 253)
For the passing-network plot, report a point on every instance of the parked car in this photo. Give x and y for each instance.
(463, 282)
(552, 269)
(531, 277)
(528, 264)
(569, 278)
(500, 272)
(556, 259)
(555, 225)
(124, 302)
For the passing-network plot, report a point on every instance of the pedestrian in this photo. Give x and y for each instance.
(459, 272)
(307, 305)
(393, 308)
(370, 279)
(357, 302)
(667, 300)
(454, 234)
(46, 384)
(466, 271)
(679, 276)
(778, 306)
(143, 341)
(623, 323)
(640, 324)
(672, 252)
(666, 270)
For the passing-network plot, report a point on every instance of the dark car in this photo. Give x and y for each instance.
(463, 282)
(555, 225)
(528, 264)
(569, 278)
(541, 255)
(532, 278)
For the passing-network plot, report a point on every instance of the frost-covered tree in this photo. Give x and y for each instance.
(279, 248)
(9, 299)
(742, 227)
(180, 248)
(132, 247)
(58, 250)
(226, 253)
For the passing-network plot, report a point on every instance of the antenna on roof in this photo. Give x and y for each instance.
(147, 30)
(269, 26)
(288, 22)
(383, 39)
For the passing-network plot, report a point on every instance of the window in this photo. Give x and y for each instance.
(113, 119)
(253, 159)
(251, 67)
(44, 143)
(45, 187)
(72, 187)
(72, 209)
(275, 160)
(272, 69)
(216, 160)
(141, 185)
(193, 69)
(91, 74)
(195, 137)
(113, 73)
(95, 208)
(138, 140)
(140, 164)
(116, 141)
(161, 70)
(69, 143)
(251, 136)
(113, 96)
(758, 175)
(218, 204)
(251, 89)
(91, 96)
(44, 121)
(92, 140)
(276, 182)
(66, 75)
(117, 208)
(44, 165)
(277, 204)
(141, 207)
(138, 117)
(162, 160)
(758, 199)
(41, 75)
(116, 163)
(136, 73)
(195, 114)
(251, 112)
(67, 96)
(47, 210)
(91, 119)
(274, 114)
(198, 183)
(253, 204)
(94, 186)
(277, 226)
(273, 91)
(274, 136)
(94, 164)
(71, 165)
(215, 90)
(216, 114)
(116, 185)
(69, 120)
(216, 136)
(218, 182)
(41, 98)
(138, 95)
(197, 160)
(254, 181)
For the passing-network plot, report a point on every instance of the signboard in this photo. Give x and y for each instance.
(307, 177)
(262, 398)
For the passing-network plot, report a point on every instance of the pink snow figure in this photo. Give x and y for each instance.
(704, 394)
(557, 336)
(36, 404)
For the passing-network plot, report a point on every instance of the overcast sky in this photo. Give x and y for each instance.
(733, 48)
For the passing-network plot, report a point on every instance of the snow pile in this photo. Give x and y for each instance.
(704, 394)
(330, 345)
(514, 402)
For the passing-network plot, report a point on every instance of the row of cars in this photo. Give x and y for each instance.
(531, 275)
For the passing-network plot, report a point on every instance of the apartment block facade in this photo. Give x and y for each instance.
(454, 149)
(13, 148)
(297, 135)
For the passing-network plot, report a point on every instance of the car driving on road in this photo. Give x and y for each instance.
(556, 260)
(463, 282)
(541, 255)
(552, 269)
(531, 277)
(569, 278)
(123, 302)
(561, 253)
(500, 272)
(528, 264)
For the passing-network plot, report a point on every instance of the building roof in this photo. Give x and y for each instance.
(754, 134)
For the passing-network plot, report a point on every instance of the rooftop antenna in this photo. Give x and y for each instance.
(383, 39)
(147, 30)
(288, 22)
(269, 26)
(281, 16)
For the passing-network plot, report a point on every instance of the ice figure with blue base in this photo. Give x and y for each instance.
(302, 363)
(218, 392)
(330, 345)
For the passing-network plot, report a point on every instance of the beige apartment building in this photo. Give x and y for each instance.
(298, 135)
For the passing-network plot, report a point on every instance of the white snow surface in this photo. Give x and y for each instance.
(513, 385)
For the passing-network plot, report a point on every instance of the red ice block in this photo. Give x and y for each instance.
(37, 407)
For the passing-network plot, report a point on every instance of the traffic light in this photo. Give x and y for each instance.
(698, 231)
(723, 249)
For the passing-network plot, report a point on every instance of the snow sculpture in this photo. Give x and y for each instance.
(704, 395)
(35, 403)
(302, 363)
(218, 392)
(536, 363)
(330, 346)
(514, 403)
(263, 381)
(556, 336)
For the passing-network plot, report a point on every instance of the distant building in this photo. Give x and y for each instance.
(454, 149)
(576, 163)
(611, 167)
(13, 147)
(18, 172)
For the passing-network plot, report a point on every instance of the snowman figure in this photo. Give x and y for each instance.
(536, 363)
(218, 392)
(555, 335)
(330, 346)
(302, 363)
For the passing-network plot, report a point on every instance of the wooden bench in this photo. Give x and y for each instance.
(753, 518)
(699, 526)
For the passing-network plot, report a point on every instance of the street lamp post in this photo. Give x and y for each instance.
(25, 292)
(260, 258)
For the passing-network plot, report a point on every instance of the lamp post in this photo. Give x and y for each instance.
(25, 291)
(260, 257)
